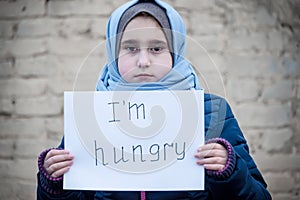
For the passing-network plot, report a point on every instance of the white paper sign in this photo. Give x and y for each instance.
(134, 140)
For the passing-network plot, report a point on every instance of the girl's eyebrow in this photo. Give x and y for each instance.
(151, 42)
(129, 42)
(158, 42)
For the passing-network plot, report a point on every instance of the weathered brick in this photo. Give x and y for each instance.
(6, 68)
(297, 177)
(57, 85)
(85, 77)
(68, 27)
(210, 43)
(242, 89)
(298, 89)
(67, 8)
(279, 90)
(98, 27)
(6, 106)
(74, 70)
(212, 83)
(191, 4)
(73, 65)
(7, 189)
(259, 115)
(204, 62)
(245, 14)
(277, 162)
(26, 190)
(22, 8)
(285, 196)
(296, 138)
(276, 40)
(276, 140)
(280, 182)
(243, 41)
(10, 189)
(25, 169)
(185, 14)
(77, 46)
(290, 67)
(253, 137)
(23, 47)
(76, 26)
(55, 127)
(7, 29)
(39, 106)
(29, 148)
(22, 128)
(250, 65)
(117, 4)
(4, 167)
(203, 23)
(41, 66)
(53, 142)
(262, 17)
(22, 87)
(6, 148)
(37, 27)
(271, 141)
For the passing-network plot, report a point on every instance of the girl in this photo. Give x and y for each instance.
(145, 48)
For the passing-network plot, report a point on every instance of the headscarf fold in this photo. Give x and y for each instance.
(181, 77)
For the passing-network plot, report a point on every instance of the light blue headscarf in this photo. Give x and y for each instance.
(181, 77)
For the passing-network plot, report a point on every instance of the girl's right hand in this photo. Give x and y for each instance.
(58, 162)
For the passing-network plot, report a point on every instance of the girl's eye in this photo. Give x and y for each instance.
(156, 49)
(132, 49)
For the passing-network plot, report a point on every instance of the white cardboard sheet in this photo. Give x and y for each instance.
(134, 141)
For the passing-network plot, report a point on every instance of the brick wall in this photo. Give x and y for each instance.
(246, 51)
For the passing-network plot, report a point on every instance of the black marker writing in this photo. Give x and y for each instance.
(141, 152)
(122, 158)
(182, 153)
(136, 109)
(113, 112)
(102, 155)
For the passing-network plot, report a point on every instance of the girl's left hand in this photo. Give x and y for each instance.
(212, 156)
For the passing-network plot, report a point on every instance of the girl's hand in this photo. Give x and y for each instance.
(212, 156)
(58, 162)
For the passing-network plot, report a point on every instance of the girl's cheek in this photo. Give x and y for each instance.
(125, 70)
(122, 66)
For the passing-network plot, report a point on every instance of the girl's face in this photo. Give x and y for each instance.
(144, 55)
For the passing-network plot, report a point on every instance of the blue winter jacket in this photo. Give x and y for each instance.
(245, 183)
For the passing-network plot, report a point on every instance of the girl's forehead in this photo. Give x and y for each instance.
(143, 30)
(140, 22)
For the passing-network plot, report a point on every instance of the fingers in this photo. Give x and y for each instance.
(211, 146)
(58, 162)
(211, 153)
(213, 163)
(56, 152)
(60, 170)
(211, 150)
(212, 156)
(215, 167)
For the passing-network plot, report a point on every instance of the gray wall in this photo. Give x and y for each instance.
(246, 51)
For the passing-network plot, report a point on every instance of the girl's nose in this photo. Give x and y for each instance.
(143, 59)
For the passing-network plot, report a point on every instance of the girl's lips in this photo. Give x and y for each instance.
(144, 75)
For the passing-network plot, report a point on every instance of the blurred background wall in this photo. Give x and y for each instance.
(246, 51)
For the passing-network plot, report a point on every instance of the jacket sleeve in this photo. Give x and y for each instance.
(245, 181)
(49, 188)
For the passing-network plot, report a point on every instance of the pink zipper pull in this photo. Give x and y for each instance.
(143, 195)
